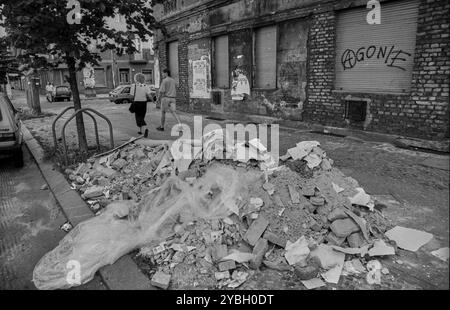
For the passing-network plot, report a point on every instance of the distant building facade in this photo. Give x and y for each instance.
(113, 70)
(318, 61)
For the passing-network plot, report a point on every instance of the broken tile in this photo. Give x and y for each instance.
(380, 248)
(407, 238)
(442, 254)
(313, 283)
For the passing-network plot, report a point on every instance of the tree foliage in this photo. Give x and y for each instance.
(40, 28)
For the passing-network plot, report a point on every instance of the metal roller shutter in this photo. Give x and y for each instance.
(222, 76)
(266, 57)
(173, 60)
(376, 58)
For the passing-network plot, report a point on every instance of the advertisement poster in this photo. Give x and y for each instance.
(89, 77)
(240, 86)
(199, 76)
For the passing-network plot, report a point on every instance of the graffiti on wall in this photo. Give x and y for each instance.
(199, 79)
(389, 55)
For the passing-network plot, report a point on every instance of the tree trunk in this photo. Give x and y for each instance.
(33, 94)
(82, 142)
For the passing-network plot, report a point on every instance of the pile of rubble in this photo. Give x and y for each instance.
(211, 221)
(121, 175)
(288, 223)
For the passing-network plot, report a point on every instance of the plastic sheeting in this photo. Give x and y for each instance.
(125, 226)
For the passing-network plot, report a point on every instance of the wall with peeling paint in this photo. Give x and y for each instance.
(305, 62)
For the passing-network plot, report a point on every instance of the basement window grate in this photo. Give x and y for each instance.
(355, 110)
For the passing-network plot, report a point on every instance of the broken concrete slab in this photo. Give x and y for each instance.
(218, 252)
(297, 252)
(344, 227)
(275, 239)
(337, 214)
(256, 230)
(269, 188)
(161, 279)
(226, 265)
(222, 275)
(93, 191)
(119, 163)
(332, 239)
(306, 273)
(260, 249)
(407, 238)
(277, 266)
(355, 240)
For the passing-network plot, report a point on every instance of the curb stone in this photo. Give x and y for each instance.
(124, 274)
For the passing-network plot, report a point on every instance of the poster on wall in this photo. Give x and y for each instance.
(156, 70)
(89, 76)
(199, 79)
(240, 85)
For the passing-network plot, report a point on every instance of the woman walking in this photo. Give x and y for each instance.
(141, 94)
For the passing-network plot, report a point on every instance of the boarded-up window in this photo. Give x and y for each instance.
(266, 57)
(221, 64)
(173, 60)
(379, 57)
(100, 77)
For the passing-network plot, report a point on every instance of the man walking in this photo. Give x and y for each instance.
(167, 95)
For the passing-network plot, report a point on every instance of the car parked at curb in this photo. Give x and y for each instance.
(121, 94)
(11, 137)
(59, 93)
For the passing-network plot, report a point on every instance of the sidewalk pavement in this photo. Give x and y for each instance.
(123, 274)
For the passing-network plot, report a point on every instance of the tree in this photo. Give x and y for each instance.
(46, 31)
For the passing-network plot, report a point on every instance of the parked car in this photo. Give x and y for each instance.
(10, 131)
(121, 94)
(60, 93)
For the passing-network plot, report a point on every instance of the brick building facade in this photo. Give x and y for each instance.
(318, 61)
